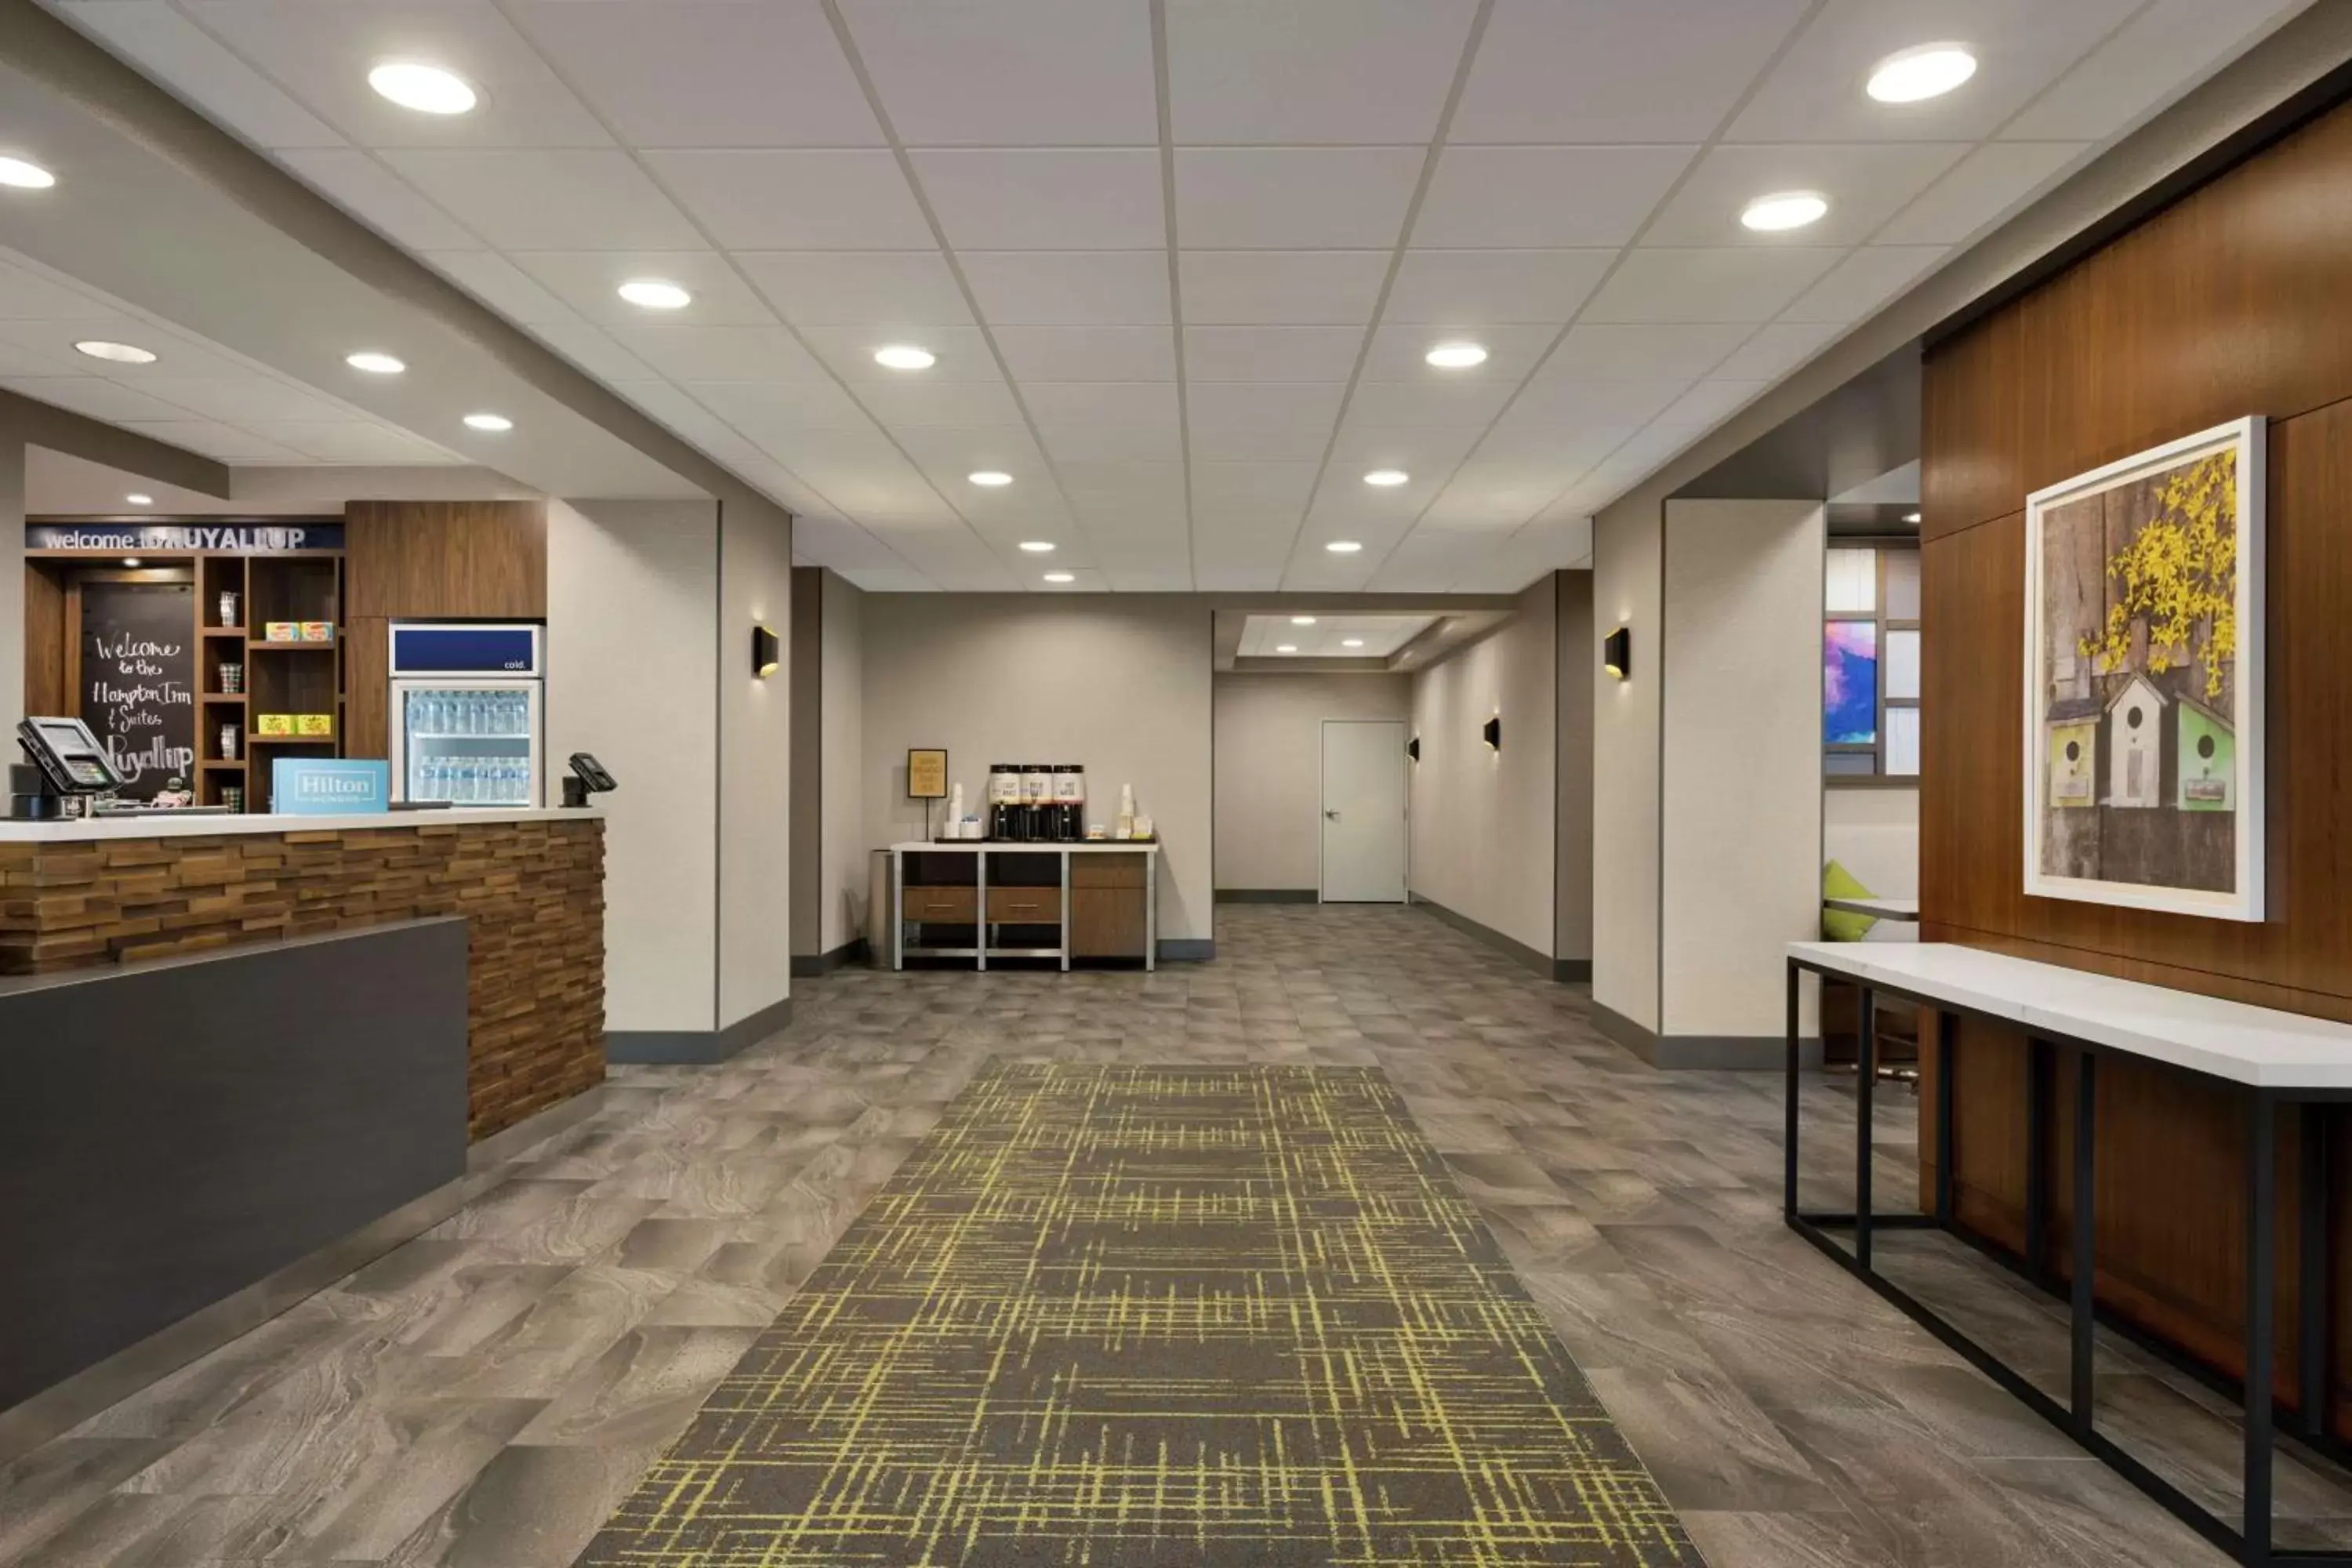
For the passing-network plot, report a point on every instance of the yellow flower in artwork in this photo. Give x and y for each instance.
(2180, 577)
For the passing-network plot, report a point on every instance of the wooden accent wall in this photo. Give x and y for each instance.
(2235, 300)
(532, 894)
(429, 561)
(45, 688)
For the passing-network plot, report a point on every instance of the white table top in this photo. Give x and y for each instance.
(1884, 909)
(2232, 1040)
(174, 824)
(1076, 847)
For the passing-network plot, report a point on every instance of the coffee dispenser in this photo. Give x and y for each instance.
(1037, 801)
(1069, 801)
(1003, 800)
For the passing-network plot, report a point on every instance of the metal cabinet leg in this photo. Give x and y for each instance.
(1789, 1137)
(2262, 1216)
(2314, 1291)
(1865, 1082)
(1947, 1044)
(2037, 1158)
(2084, 1301)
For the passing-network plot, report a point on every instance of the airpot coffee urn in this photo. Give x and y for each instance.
(1036, 803)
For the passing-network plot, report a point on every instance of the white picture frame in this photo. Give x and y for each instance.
(2242, 901)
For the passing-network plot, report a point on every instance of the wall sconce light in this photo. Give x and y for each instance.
(1413, 748)
(1617, 653)
(763, 652)
(1493, 730)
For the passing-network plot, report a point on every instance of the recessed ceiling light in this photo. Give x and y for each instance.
(1302, 620)
(119, 353)
(130, 560)
(1351, 642)
(1387, 479)
(1061, 577)
(1286, 647)
(374, 363)
(428, 90)
(1910, 517)
(1343, 547)
(1456, 356)
(24, 176)
(903, 356)
(494, 423)
(140, 497)
(656, 294)
(1038, 546)
(992, 478)
(1928, 70)
(1785, 210)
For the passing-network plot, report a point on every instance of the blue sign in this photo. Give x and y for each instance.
(465, 651)
(329, 786)
(163, 538)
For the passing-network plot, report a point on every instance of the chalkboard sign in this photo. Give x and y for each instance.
(139, 680)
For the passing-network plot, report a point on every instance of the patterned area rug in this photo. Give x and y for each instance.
(1119, 1317)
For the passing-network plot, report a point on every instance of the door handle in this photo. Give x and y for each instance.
(1332, 814)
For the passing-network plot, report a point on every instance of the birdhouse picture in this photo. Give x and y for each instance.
(2072, 754)
(2144, 658)
(2136, 734)
(2205, 759)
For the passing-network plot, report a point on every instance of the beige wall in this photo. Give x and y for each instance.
(1628, 581)
(632, 662)
(843, 848)
(804, 659)
(1269, 772)
(1121, 683)
(754, 789)
(1579, 653)
(1483, 820)
(1741, 850)
(1874, 831)
(12, 590)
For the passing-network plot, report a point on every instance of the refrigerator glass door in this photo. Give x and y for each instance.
(472, 743)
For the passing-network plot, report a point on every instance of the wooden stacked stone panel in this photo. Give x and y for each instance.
(532, 894)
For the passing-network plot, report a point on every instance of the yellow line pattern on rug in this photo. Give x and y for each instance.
(1137, 1317)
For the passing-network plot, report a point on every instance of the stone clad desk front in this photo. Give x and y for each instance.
(528, 882)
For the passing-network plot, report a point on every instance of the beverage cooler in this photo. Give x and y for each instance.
(469, 716)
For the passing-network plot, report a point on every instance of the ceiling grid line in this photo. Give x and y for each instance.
(2048, 87)
(1616, 264)
(963, 285)
(1175, 283)
(1472, 41)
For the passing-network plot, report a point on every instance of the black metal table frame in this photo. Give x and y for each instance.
(2251, 1543)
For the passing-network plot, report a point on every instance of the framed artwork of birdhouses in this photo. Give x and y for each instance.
(2144, 679)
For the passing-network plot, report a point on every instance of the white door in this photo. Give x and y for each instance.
(1363, 811)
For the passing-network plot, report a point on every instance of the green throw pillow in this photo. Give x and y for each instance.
(1842, 925)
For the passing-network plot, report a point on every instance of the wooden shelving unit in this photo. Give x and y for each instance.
(278, 677)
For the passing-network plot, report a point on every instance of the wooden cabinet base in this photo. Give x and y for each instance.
(1106, 922)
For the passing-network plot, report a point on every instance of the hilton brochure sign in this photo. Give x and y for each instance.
(166, 538)
(321, 786)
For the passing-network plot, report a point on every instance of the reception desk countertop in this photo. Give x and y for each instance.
(194, 825)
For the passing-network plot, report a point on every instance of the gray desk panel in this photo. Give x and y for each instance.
(171, 1131)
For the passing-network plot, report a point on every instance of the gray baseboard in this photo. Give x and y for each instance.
(1702, 1053)
(808, 966)
(1268, 896)
(1512, 948)
(695, 1048)
(1573, 969)
(1187, 949)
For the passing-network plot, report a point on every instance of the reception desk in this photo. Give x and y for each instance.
(529, 883)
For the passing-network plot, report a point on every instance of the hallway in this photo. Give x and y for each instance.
(489, 1394)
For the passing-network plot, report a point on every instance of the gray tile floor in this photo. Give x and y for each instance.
(484, 1395)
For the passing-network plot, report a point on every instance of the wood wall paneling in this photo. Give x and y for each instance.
(2235, 300)
(431, 560)
(45, 688)
(367, 671)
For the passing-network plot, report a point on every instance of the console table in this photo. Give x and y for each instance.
(2275, 1062)
(1098, 898)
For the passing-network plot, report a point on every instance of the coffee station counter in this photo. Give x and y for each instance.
(977, 899)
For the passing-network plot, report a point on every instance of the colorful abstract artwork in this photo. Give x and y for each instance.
(2143, 734)
(1850, 683)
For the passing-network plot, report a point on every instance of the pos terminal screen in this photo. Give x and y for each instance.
(69, 754)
